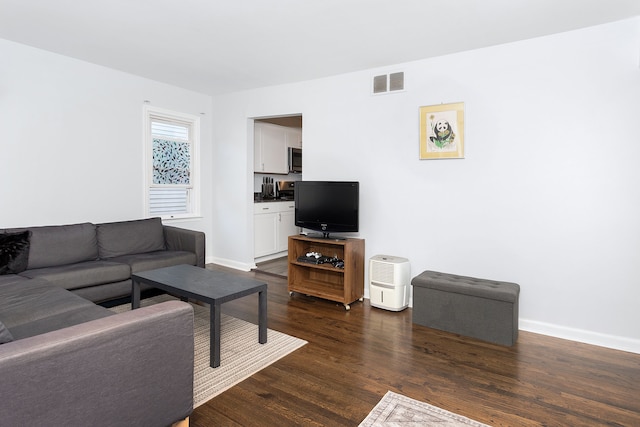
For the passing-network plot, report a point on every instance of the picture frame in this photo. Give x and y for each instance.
(442, 131)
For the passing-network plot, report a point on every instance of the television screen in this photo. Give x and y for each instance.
(327, 206)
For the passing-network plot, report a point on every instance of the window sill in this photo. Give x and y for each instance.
(181, 218)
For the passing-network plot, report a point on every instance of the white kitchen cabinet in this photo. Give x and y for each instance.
(265, 226)
(294, 137)
(273, 224)
(286, 225)
(270, 149)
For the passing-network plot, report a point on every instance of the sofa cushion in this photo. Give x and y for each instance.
(70, 317)
(14, 252)
(82, 274)
(22, 303)
(16, 289)
(61, 244)
(5, 335)
(130, 237)
(153, 260)
(12, 278)
(107, 292)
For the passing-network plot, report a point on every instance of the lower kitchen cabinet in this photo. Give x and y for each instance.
(273, 224)
(286, 227)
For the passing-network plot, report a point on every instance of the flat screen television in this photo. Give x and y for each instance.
(327, 206)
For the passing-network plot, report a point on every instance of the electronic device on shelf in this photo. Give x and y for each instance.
(326, 260)
(317, 258)
(311, 259)
(327, 206)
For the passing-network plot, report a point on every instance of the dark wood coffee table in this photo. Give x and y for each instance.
(209, 286)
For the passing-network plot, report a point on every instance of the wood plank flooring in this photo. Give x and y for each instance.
(277, 267)
(354, 357)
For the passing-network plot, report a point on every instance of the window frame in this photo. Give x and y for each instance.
(193, 199)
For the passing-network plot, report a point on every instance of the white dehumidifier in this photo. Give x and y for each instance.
(389, 279)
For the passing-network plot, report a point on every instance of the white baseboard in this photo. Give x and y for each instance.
(580, 335)
(272, 256)
(231, 264)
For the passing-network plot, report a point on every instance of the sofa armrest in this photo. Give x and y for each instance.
(181, 239)
(133, 368)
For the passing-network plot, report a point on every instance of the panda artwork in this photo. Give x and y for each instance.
(442, 133)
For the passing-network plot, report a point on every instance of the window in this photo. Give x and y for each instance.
(171, 152)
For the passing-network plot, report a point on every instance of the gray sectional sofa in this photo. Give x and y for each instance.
(73, 363)
(96, 261)
(65, 360)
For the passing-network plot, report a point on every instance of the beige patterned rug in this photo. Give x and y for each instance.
(240, 353)
(397, 410)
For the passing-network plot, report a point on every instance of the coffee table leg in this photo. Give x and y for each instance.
(262, 314)
(214, 336)
(135, 294)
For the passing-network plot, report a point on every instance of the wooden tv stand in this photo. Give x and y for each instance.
(343, 285)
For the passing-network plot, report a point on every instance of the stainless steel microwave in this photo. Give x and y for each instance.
(295, 160)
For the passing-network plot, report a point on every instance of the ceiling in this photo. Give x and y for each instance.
(221, 46)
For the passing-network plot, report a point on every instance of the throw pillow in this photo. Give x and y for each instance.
(14, 252)
(5, 335)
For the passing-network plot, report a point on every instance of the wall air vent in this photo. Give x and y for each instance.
(380, 84)
(396, 81)
(386, 83)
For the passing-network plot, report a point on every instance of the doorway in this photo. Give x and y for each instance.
(274, 139)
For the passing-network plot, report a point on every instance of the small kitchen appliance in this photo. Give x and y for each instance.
(285, 190)
(295, 160)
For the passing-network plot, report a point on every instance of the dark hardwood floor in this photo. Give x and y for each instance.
(353, 358)
(277, 267)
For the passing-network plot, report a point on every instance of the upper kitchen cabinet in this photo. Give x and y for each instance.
(270, 149)
(294, 137)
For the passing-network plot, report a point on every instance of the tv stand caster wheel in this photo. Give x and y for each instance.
(290, 293)
(361, 299)
(347, 307)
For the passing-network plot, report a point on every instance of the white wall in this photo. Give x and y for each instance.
(547, 195)
(72, 139)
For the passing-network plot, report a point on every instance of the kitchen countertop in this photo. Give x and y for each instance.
(271, 199)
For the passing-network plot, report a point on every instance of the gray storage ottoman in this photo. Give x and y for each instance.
(478, 308)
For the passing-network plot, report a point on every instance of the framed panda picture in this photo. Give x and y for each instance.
(442, 131)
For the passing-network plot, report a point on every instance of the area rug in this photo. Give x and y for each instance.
(240, 353)
(397, 410)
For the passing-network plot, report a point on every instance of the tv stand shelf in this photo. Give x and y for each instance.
(343, 285)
